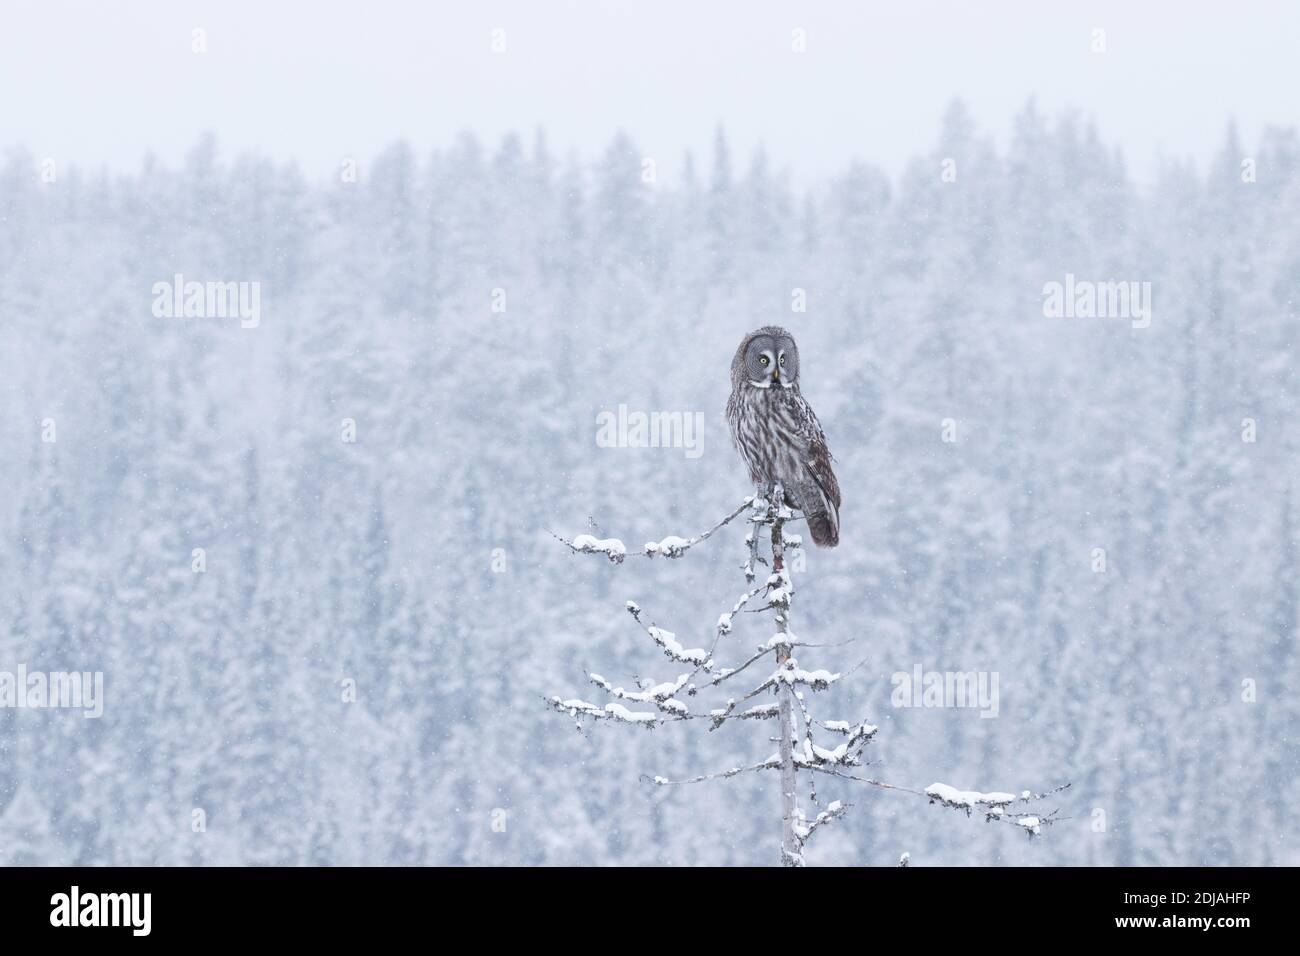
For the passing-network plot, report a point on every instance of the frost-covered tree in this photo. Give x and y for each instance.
(718, 695)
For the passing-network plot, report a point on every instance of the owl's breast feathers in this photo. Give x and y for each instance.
(779, 438)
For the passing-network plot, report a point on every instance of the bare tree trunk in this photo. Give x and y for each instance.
(791, 854)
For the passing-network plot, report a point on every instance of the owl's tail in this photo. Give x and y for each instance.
(820, 504)
(825, 528)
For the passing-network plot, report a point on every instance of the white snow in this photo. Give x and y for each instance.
(777, 639)
(635, 717)
(953, 797)
(668, 641)
(612, 548)
(670, 547)
(577, 706)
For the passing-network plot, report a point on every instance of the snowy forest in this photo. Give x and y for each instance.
(313, 557)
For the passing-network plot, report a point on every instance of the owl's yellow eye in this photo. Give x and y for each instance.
(782, 360)
(762, 360)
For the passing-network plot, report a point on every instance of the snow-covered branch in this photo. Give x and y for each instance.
(757, 712)
(670, 546)
(674, 547)
(611, 711)
(995, 806)
(668, 643)
(660, 695)
(771, 763)
(612, 548)
(804, 829)
(790, 674)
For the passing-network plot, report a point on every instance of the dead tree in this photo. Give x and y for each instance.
(804, 744)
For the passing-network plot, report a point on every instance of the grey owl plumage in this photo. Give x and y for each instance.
(777, 433)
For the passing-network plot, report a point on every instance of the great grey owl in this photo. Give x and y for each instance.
(778, 435)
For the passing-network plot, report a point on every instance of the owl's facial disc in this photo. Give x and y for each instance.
(771, 360)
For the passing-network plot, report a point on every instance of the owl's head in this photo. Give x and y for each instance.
(766, 357)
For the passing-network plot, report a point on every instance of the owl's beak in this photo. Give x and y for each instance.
(776, 375)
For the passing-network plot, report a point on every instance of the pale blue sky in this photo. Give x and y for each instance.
(90, 82)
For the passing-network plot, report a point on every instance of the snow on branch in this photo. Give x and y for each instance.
(671, 546)
(724, 619)
(771, 763)
(728, 672)
(967, 799)
(848, 753)
(667, 641)
(610, 711)
(790, 674)
(995, 805)
(660, 695)
(611, 548)
(803, 829)
(674, 547)
(757, 712)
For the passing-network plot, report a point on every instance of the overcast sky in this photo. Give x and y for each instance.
(103, 83)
